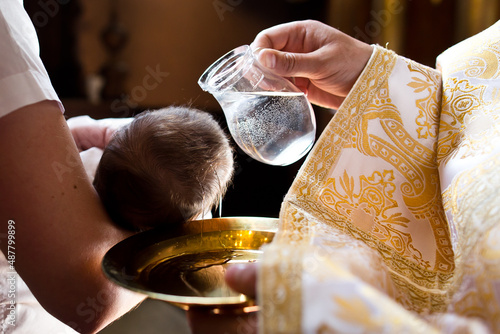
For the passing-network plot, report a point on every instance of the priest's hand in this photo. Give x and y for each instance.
(242, 279)
(322, 61)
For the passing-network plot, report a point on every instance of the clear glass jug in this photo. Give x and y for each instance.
(269, 118)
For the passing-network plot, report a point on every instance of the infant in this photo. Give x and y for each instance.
(164, 166)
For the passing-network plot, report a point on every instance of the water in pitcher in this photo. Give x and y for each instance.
(276, 128)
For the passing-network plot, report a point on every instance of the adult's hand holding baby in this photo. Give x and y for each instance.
(324, 62)
(88, 132)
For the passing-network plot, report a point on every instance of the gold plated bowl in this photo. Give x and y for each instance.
(186, 267)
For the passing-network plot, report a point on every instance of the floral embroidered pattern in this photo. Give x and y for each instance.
(396, 208)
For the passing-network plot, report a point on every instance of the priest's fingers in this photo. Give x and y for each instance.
(242, 278)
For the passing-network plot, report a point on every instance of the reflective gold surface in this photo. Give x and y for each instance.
(186, 267)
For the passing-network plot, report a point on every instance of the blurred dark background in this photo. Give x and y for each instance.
(116, 58)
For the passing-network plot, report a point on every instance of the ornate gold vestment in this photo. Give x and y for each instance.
(392, 222)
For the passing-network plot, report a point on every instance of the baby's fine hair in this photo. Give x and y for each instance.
(166, 167)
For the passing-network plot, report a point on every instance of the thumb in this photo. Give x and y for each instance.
(242, 278)
(286, 64)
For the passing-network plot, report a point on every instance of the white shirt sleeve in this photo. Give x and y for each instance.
(23, 78)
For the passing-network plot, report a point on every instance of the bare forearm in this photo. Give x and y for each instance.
(61, 229)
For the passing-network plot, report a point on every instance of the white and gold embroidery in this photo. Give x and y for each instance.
(402, 192)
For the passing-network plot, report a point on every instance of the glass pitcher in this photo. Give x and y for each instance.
(269, 118)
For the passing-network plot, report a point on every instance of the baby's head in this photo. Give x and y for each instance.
(166, 167)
